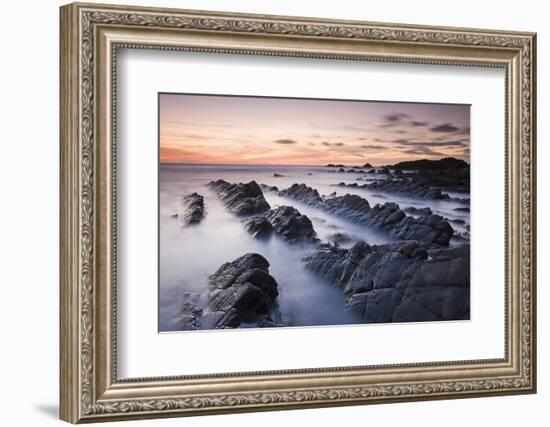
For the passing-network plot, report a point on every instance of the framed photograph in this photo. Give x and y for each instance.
(266, 212)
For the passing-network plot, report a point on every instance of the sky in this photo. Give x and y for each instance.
(211, 129)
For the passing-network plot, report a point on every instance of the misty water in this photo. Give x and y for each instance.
(188, 255)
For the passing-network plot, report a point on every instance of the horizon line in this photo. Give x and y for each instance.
(316, 165)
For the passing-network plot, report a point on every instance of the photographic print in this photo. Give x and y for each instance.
(289, 212)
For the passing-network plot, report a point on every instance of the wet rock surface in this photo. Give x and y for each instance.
(407, 187)
(241, 199)
(426, 179)
(265, 187)
(285, 221)
(398, 282)
(302, 193)
(248, 200)
(340, 238)
(242, 292)
(193, 209)
(446, 174)
(291, 225)
(387, 217)
(424, 164)
(416, 277)
(418, 211)
(258, 226)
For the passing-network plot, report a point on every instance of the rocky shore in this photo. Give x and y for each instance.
(423, 274)
(241, 199)
(427, 179)
(405, 186)
(388, 217)
(242, 292)
(398, 282)
(262, 221)
(285, 221)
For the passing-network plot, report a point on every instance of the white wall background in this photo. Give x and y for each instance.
(29, 170)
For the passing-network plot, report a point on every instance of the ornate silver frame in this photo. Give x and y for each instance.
(90, 36)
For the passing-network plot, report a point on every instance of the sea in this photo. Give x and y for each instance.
(189, 255)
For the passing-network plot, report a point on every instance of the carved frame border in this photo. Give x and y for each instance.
(81, 397)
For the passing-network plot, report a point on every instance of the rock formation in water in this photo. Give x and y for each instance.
(446, 174)
(405, 186)
(285, 221)
(303, 194)
(193, 209)
(242, 291)
(425, 164)
(388, 217)
(418, 211)
(241, 199)
(248, 200)
(398, 282)
(266, 187)
(258, 226)
(291, 225)
(408, 187)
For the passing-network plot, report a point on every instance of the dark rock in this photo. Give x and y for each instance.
(302, 193)
(291, 225)
(272, 188)
(193, 209)
(285, 221)
(277, 175)
(384, 171)
(367, 165)
(462, 200)
(446, 174)
(339, 238)
(407, 187)
(462, 237)
(330, 165)
(372, 171)
(418, 211)
(259, 226)
(462, 209)
(424, 164)
(349, 206)
(241, 291)
(446, 179)
(388, 217)
(398, 282)
(341, 170)
(241, 199)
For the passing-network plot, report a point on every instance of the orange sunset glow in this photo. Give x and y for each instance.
(208, 129)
